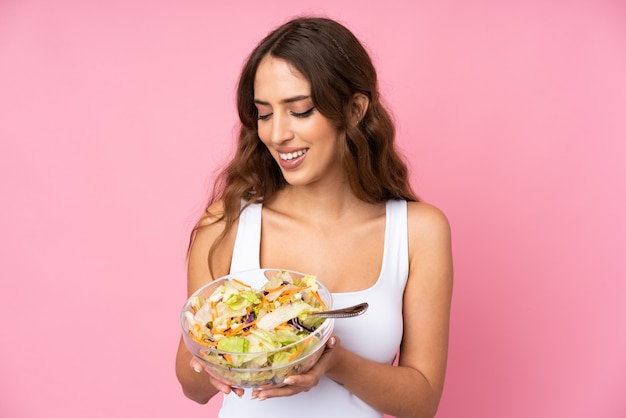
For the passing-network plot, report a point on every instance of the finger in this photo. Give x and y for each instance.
(332, 341)
(222, 387)
(221, 384)
(262, 394)
(196, 365)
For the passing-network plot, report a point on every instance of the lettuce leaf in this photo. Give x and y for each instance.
(282, 314)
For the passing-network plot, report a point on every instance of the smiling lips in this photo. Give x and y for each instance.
(291, 155)
(292, 159)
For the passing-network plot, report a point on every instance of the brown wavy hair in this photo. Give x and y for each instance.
(337, 66)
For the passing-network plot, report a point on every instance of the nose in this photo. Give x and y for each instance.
(280, 129)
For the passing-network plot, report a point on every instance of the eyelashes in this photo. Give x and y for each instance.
(304, 114)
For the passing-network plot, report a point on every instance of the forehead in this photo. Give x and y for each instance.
(276, 79)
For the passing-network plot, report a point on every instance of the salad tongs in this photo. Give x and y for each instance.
(348, 312)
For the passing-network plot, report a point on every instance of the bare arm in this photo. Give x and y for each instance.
(196, 384)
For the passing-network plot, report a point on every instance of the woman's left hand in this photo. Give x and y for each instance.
(303, 382)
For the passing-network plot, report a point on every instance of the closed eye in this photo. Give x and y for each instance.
(304, 114)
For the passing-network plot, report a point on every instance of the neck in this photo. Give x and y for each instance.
(323, 203)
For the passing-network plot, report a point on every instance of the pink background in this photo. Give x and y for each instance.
(115, 114)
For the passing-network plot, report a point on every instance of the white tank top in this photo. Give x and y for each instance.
(375, 335)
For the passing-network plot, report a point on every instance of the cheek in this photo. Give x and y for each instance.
(329, 136)
(262, 133)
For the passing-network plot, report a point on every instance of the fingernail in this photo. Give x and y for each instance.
(197, 369)
(332, 341)
(289, 381)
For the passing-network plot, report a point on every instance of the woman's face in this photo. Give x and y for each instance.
(303, 142)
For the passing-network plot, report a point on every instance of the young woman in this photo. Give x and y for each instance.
(317, 186)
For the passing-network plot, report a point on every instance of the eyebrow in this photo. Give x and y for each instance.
(284, 101)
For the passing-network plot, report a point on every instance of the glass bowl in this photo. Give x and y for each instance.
(260, 367)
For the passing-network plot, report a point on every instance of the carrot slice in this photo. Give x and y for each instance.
(299, 350)
(240, 327)
(276, 288)
(241, 283)
(317, 296)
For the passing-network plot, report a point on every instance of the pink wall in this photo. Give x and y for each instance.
(114, 115)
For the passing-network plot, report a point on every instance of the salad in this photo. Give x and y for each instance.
(240, 327)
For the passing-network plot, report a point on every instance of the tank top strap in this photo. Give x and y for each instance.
(396, 253)
(246, 253)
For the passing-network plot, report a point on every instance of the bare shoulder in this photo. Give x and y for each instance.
(209, 228)
(430, 246)
(212, 214)
(427, 221)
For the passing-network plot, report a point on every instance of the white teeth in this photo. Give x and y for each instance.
(291, 155)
